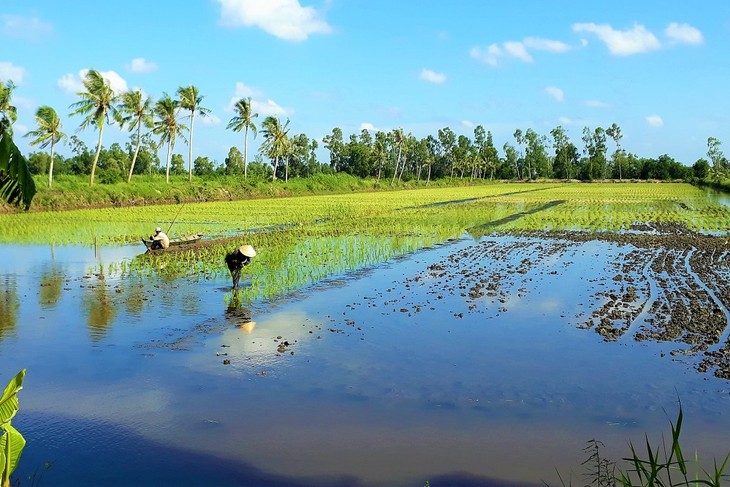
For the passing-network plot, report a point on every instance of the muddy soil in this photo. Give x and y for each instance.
(667, 284)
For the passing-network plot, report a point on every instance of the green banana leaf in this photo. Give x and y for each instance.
(12, 444)
(16, 183)
(9, 399)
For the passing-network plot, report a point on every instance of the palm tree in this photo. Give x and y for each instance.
(276, 140)
(167, 126)
(136, 110)
(244, 120)
(48, 132)
(190, 99)
(97, 104)
(8, 113)
(16, 183)
(398, 139)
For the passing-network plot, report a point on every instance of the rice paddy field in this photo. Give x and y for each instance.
(461, 336)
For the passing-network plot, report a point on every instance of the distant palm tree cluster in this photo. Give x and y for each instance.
(394, 155)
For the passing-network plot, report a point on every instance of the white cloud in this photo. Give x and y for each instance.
(118, 84)
(73, 84)
(622, 42)
(517, 49)
(70, 83)
(141, 65)
(30, 29)
(11, 72)
(285, 19)
(596, 104)
(565, 120)
(655, 121)
(555, 92)
(549, 45)
(488, 55)
(368, 126)
(683, 34)
(259, 103)
(432, 76)
(468, 124)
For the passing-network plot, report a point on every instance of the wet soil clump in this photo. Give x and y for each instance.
(663, 283)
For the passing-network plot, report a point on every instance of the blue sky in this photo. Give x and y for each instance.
(659, 69)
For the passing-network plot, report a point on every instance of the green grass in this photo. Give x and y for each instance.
(661, 465)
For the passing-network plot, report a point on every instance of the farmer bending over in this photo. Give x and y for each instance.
(237, 259)
(160, 240)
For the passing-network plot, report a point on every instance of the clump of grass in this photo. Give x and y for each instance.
(662, 466)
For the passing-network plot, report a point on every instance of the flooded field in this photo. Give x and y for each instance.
(474, 350)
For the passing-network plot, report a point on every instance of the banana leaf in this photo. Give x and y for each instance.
(12, 444)
(9, 399)
(16, 183)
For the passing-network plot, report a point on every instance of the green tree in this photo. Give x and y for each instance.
(614, 131)
(561, 145)
(447, 139)
(701, 168)
(399, 140)
(511, 160)
(190, 99)
(276, 140)
(520, 139)
(177, 164)
(243, 120)
(234, 162)
(96, 104)
(47, 133)
(82, 159)
(147, 157)
(202, 166)
(536, 155)
(379, 151)
(336, 145)
(167, 126)
(16, 183)
(135, 110)
(719, 162)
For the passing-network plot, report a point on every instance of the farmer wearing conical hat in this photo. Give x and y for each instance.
(237, 259)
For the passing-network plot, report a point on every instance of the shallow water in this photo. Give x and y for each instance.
(385, 381)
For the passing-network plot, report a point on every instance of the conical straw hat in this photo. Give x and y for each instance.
(247, 250)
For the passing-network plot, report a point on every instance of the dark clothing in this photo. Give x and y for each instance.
(235, 262)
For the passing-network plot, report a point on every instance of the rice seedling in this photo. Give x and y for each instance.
(304, 240)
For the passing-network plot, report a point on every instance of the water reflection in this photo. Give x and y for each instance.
(9, 306)
(50, 290)
(99, 306)
(135, 298)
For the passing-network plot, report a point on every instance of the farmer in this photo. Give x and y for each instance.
(160, 240)
(237, 259)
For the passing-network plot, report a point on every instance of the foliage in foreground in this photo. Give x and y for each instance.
(662, 466)
(11, 441)
(16, 183)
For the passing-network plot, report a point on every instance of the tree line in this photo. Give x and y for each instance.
(393, 155)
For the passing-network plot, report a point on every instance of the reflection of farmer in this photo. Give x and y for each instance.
(237, 259)
(160, 240)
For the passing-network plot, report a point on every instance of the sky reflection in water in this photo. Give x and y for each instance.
(375, 388)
